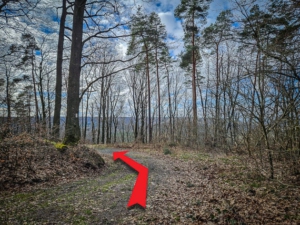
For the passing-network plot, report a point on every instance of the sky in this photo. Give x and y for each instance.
(165, 10)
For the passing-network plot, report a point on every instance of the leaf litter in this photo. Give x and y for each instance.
(184, 187)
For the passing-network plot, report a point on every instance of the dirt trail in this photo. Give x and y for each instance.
(100, 200)
(183, 188)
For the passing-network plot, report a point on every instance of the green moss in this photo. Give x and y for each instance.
(108, 186)
(128, 177)
(50, 142)
(186, 156)
(80, 220)
(255, 185)
(22, 196)
(226, 160)
(60, 146)
(88, 212)
(203, 157)
(99, 146)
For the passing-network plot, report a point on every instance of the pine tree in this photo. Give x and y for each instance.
(192, 13)
(160, 49)
(147, 35)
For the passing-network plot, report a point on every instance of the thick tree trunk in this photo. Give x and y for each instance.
(72, 131)
(59, 62)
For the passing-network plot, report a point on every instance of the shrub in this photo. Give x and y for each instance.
(167, 151)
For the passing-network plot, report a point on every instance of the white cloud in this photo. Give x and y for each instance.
(121, 47)
(173, 27)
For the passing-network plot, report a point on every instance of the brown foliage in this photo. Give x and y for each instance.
(27, 159)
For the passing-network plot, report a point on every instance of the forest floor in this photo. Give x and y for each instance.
(184, 187)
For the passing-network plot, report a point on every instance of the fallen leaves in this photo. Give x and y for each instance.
(210, 190)
(185, 187)
(27, 160)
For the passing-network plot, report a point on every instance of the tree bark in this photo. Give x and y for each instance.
(103, 105)
(149, 94)
(34, 90)
(195, 118)
(158, 93)
(59, 62)
(86, 116)
(8, 99)
(72, 130)
(99, 125)
(170, 106)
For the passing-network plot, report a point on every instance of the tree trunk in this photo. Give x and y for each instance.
(49, 105)
(170, 106)
(195, 118)
(59, 62)
(103, 112)
(41, 90)
(217, 109)
(72, 130)
(34, 90)
(93, 124)
(142, 132)
(99, 125)
(8, 99)
(149, 95)
(86, 116)
(158, 94)
(108, 121)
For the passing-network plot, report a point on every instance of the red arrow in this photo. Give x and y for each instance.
(138, 195)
